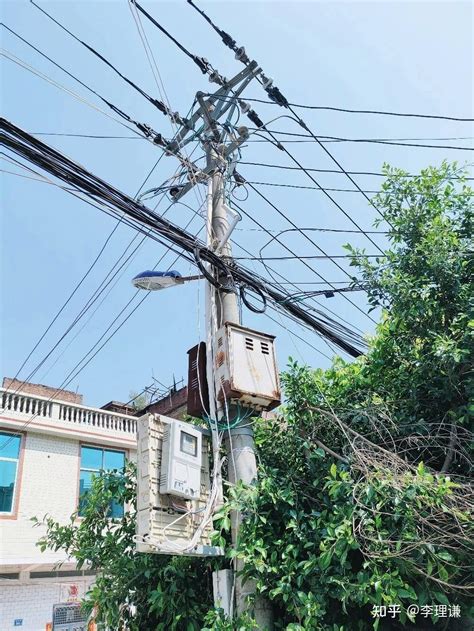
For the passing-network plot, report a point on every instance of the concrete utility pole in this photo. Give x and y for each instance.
(239, 441)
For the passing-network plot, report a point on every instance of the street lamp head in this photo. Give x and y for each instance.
(153, 281)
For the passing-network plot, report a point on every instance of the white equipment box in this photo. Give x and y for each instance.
(165, 521)
(181, 461)
(246, 367)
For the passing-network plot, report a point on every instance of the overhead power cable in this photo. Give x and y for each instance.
(312, 188)
(156, 102)
(293, 253)
(378, 112)
(60, 166)
(275, 94)
(206, 68)
(232, 44)
(311, 169)
(379, 141)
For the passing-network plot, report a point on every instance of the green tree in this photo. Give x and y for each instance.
(353, 507)
(363, 497)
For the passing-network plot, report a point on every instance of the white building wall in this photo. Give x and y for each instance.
(48, 484)
(33, 604)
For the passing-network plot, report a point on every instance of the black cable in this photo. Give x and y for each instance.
(199, 61)
(379, 112)
(277, 96)
(98, 136)
(280, 285)
(221, 269)
(311, 188)
(156, 102)
(74, 372)
(290, 168)
(293, 253)
(297, 162)
(54, 162)
(95, 296)
(74, 291)
(270, 203)
(300, 257)
(329, 139)
(113, 107)
(276, 141)
(243, 296)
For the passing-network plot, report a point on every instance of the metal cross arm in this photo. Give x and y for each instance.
(219, 97)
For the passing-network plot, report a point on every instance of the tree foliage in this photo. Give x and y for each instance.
(363, 495)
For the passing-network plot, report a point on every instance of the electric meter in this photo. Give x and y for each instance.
(181, 460)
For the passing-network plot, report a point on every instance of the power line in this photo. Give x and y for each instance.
(280, 232)
(312, 269)
(62, 167)
(207, 68)
(378, 112)
(312, 188)
(276, 96)
(158, 104)
(94, 136)
(330, 139)
(312, 169)
(77, 369)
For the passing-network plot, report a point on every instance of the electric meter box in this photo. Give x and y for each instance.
(164, 524)
(181, 461)
(246, 367)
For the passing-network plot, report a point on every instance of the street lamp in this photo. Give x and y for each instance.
(151, 280)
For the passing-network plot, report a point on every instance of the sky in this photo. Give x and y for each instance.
(395, 56)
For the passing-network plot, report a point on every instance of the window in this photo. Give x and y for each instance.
(9, 456)
(188, 444)
(93, 461)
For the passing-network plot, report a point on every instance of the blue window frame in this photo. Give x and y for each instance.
(94, 460)
(9, 456)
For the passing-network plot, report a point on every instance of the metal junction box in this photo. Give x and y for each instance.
(246, 367)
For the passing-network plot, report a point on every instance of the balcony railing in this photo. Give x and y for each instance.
(31, 408)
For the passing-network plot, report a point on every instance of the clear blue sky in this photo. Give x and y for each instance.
(399, 56)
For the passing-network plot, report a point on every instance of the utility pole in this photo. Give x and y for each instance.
(239, 442)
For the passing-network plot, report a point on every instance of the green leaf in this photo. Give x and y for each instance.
(441, 598)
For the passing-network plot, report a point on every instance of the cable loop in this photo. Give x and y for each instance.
(247, 303)
(222, 271)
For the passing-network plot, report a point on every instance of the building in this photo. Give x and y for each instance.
(50, 446)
